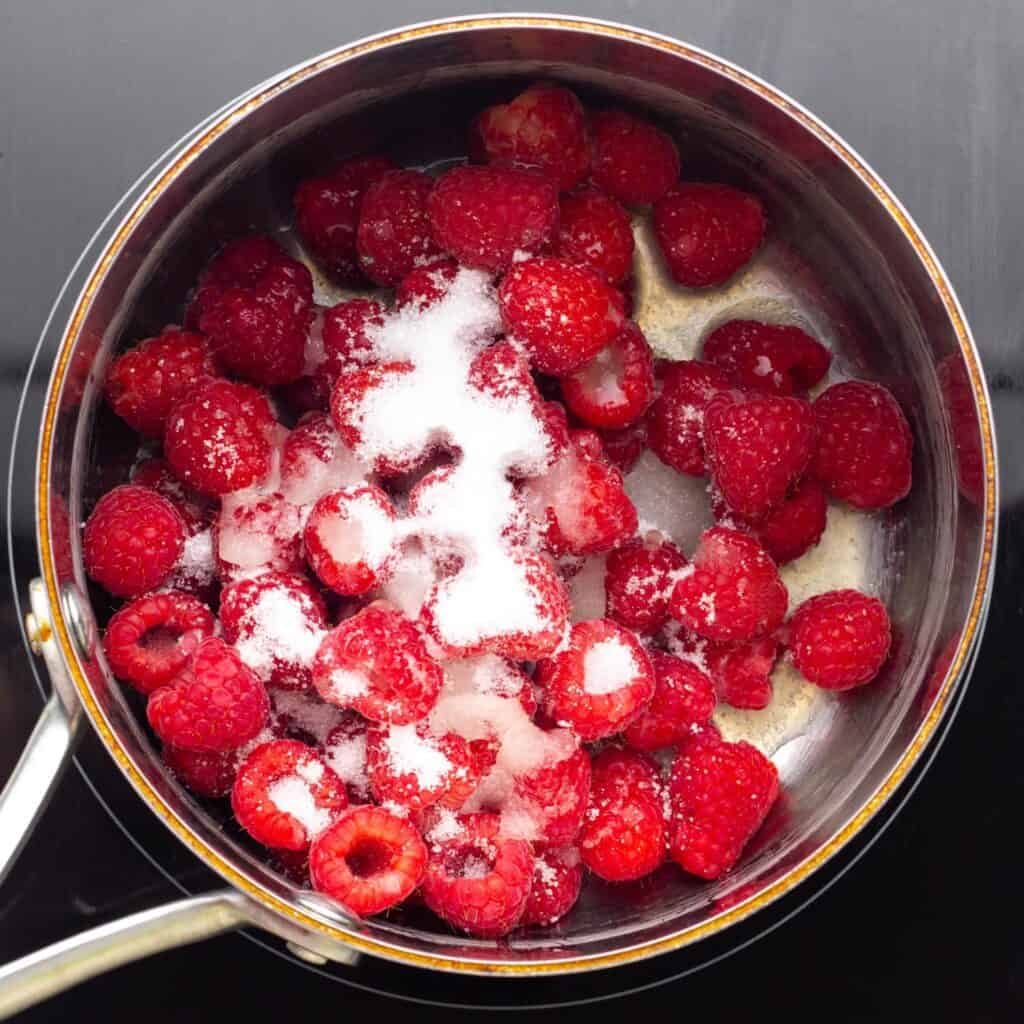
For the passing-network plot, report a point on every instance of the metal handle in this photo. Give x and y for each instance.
(53, 969)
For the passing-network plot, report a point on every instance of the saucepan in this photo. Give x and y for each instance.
(845, 257)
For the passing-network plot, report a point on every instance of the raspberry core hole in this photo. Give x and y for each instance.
(368, 857)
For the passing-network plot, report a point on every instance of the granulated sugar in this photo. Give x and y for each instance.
(304, 710)
(276, 630)
(608, 666)
(346, 754)
(293, 795)
(344, 685)
(409, 753)
(366, 533)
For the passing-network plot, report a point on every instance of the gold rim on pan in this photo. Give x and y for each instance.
(797, 874)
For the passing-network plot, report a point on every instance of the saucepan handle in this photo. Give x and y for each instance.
(53, 969)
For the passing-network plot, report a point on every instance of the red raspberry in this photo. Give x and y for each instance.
(841, 639)
(775, 358)
(720, 794)
(797, 524)
(484, 216)
(410, 766)
(707, 232)
(742, 672)
(633, 161)
(257, 317)
(327, 213)
(350, 539)
(543, 127)
(377, 663)
(623, 447)
(132, 540)
(733, 591)
(345, 751)
(257, 533)
(864, 445)
(624, 830)
(557, 877)
(217, 437)
(285, 795)
(600, 682)
(479, 885)
(555, 793)
(196, 511)
(584, 505)
(151, 639)
(147, 380)
(239, 262)
(368, 860)
(216, 704)
(757, 447)
(614, 389)
(638, 581)
(393, 237)
(563, 314)
(346, 340)
(444, 610)
(963, 420)
(350, 392)
(684, 697)
(426, 285)
(276, 621)
(675, 422)
(207, 774)
(595, 231)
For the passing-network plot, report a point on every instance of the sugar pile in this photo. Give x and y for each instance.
(293, 794)
(276, 630)
(608, 666)
(411, 753)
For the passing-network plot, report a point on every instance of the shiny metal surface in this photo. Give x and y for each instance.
(892, 311)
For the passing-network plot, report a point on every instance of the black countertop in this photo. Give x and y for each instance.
(930, 92)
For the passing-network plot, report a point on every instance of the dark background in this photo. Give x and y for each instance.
(931, 93)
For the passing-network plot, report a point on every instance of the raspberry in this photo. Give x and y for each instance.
(742, 672)
(132, 540)
(393, 237)
(623, 447)
(563, 314)
(599, 682)
(775, 358)
(638, 580)
(145, 381)
(314, 460)
(963, 420)
(327, 213)
(257, 532)
(675, 422)
(194, 509)
(426, 285)
(276, 621)
(217, 437)
(614, 389)
(595, 231)
(207, 774)
(841, 639)
(445, 606)
(720, 793)
(556, 795)
(633, 161)
(479, 885)
(350, 539)
(345, 751)
(377, 663)
(557, 877)
(757, 447)
(484, 216)
(284, 795)
(796, 525)
(368, 860)
(346, 341)
(584, 505)
(864, 445)
(408, 765)
(707, 232)
(310, 393)
(543, 127)
(684, 697)
(151, 639)
(215, 704)
(240, 262)
(733, 591)
(257, 317)
(624, 831)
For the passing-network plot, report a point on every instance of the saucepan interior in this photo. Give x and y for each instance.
(852, 266)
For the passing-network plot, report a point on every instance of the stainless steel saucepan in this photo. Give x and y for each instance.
(844, 257)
